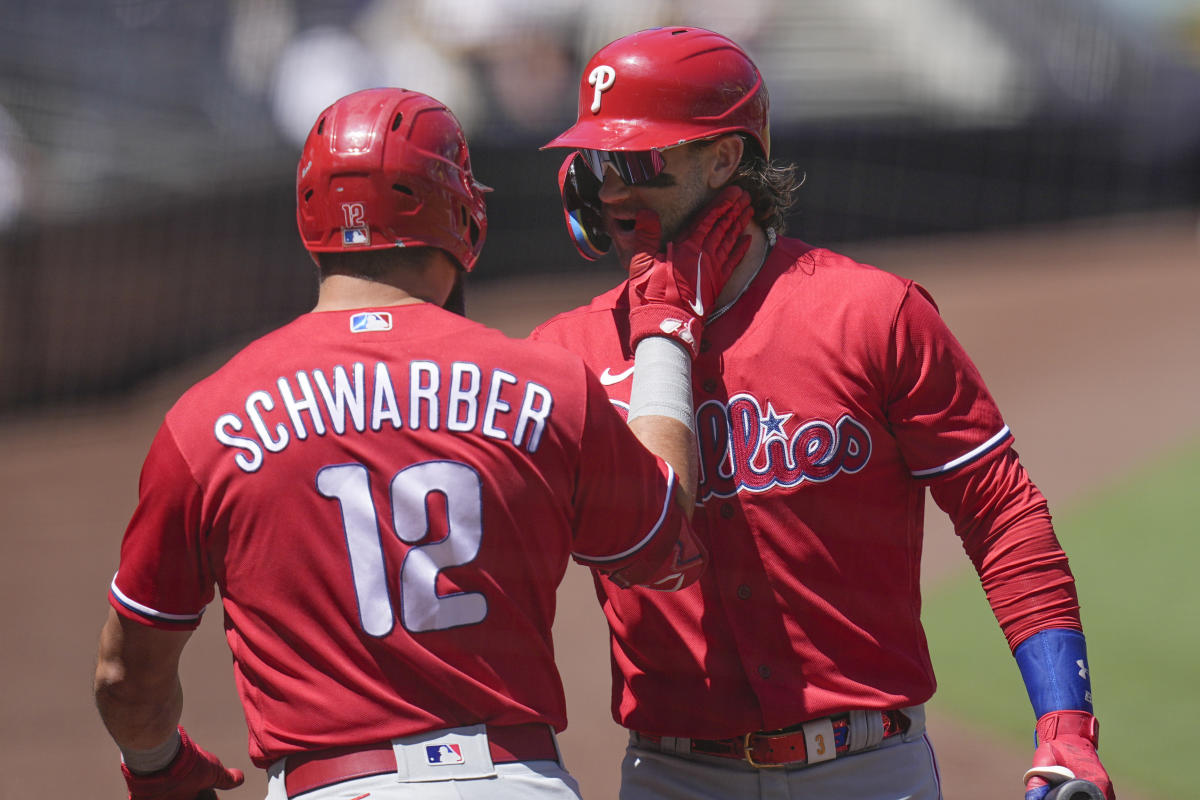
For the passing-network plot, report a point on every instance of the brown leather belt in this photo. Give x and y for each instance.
(787, 747)
(306, 772)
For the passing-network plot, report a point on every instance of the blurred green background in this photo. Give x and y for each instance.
(1133, 547)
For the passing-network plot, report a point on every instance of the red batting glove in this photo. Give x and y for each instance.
(1067, 743)
(193, 772)
(674, 291)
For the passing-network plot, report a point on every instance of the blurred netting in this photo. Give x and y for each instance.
(147, 147)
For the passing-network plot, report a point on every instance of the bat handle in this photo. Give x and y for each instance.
(1075, 789)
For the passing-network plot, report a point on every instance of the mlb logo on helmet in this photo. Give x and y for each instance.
(365, 321)
(443, 754)
(353, 237)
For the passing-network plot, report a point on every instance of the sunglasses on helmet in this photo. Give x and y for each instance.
(632, 166)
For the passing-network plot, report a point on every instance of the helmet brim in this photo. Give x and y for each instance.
(633, 135)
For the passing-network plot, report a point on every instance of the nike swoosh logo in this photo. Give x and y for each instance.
(608, 378)
(698, 304)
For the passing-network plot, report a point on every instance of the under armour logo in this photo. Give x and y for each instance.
(1083, 670)
(602, 78)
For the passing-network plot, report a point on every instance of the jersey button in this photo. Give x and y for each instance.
(764, 671)
(705, 345)
(743, 592)
(710, 385)
(727, 510)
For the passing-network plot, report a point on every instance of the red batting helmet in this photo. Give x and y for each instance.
(666, 86)
(389, 168)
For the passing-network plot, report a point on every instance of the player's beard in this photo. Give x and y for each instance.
(687, 200)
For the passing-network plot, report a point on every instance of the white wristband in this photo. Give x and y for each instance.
(662, 381)
(143, 762)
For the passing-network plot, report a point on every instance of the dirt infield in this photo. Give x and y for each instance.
(1080, 332)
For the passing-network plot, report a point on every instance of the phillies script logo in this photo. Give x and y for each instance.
(743, 448)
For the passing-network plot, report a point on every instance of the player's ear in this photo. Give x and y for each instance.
(722, 159)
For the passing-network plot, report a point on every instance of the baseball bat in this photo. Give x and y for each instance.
(1075, 790)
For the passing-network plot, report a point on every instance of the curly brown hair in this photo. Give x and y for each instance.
(772, 186)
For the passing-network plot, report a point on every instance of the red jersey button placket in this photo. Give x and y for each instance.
(706, 370)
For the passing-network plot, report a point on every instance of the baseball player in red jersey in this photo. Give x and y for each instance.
(828, 396)
(386, 495)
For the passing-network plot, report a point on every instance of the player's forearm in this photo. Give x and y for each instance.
(137, 721)
(139, 696)
(673, 442)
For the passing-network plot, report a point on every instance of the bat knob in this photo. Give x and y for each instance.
(1075, 789)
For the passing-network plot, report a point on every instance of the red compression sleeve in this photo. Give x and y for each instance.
(1004, 523)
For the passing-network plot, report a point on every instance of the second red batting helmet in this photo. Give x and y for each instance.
(666, 86)
(388, 168)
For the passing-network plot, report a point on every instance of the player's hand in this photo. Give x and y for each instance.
(674, 291)
(1066, 749)
(193, 774)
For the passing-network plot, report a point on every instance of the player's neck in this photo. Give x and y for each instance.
(343, 292)
(747, 268)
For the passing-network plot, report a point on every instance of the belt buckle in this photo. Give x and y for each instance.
(819, 745)
(746, 754)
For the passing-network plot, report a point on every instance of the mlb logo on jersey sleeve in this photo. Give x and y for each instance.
(366, 321)
(439, 754)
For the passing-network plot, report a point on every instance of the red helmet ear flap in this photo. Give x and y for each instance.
(581, 207)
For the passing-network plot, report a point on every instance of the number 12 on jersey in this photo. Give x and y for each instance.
(422, 608)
